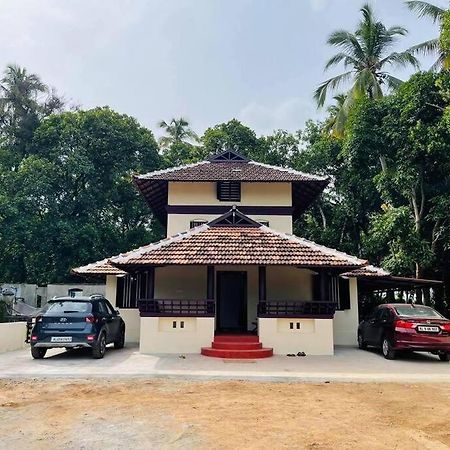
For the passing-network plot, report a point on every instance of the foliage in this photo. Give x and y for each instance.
(71, 200)
(438, 46)
(364, 55)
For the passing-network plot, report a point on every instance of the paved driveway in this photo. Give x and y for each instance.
(348, 364)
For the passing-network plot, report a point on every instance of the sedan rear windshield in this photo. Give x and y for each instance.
(67, 306)
(417, 311)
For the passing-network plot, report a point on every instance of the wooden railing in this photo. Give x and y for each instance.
(177, 308)
(296, 309)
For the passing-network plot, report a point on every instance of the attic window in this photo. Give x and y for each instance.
(229, 191)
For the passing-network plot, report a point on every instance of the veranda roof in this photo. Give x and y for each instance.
(102, 267)
(228, 166)
(235, 239)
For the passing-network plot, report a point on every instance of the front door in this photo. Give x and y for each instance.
(232, 301)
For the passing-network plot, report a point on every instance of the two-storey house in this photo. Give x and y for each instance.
(230, 279)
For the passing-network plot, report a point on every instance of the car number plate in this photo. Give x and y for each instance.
(61, 339)
(428, 329)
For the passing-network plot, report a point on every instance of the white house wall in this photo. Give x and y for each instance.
(159, 336)
(205, 194)
(312, 336)
(130, 316)
(346, 322)
(177, 223)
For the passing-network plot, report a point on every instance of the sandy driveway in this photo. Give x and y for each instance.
(222, 414)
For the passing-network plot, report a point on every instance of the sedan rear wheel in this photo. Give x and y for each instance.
(386, 348)
(99, 348)
(445, 357)
(38, 352)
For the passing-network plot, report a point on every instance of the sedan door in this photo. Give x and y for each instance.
(374, 328)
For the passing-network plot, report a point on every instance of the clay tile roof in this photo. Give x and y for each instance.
(154, 185)
(233, 245)
(367, 271)
(102, 267)
(223, 171)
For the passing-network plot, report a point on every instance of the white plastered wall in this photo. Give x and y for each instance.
(177, 223)
(346, 322)
(205, 194)
(158, 334)
(252, 194)
(12, 336)
(312, 336)
(130, 316)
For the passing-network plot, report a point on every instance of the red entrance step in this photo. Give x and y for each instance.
(237, 347)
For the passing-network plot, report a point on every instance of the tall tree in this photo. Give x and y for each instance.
(365, 56)
(24, 101)
(177, 132)
(72, 201)
(435, 47)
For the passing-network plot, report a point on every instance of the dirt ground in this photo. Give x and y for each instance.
(170, 414)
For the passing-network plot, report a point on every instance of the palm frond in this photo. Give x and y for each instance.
(402, 59)
(320, 94)
(392, 82)
(426, 48)
(438, 64)
(348, 42)
(336, 59)
(425, 9)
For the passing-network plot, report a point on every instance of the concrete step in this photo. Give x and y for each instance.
(227, 345)
(236, 338)
(237, 354)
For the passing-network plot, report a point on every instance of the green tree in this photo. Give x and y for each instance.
(24, 101)
(439, 46)
(177, 132)
(231, 135)
(365, 56)
(71, 201)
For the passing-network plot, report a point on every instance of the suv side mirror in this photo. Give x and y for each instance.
(117, 312)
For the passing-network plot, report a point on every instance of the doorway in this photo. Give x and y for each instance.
(231, 301)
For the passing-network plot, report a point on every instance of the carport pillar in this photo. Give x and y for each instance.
(210, 283)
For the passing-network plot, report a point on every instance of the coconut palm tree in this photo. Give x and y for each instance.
(336, 117)
(19, 92)
(431, 47)
(365, 55)
(178, 131)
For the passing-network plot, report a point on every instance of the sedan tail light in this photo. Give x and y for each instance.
(445, 326)
(90, 318)
(403, 325)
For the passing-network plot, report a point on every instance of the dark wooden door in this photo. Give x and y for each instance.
(232, 301)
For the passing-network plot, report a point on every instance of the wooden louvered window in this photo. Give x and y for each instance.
(229, 191)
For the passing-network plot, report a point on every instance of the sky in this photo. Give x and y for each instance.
(209, 61)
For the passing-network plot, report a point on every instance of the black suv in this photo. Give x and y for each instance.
(73, 322)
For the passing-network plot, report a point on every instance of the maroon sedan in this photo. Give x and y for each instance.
(398, 326)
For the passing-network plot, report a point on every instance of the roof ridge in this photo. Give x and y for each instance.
(171, 169)
(289, 170)
(312, 244)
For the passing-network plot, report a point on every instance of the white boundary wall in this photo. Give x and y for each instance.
(159, 336)
(12, 336)
(312, 336)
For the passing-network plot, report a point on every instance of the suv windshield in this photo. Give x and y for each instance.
(417, 311)
(67, 306)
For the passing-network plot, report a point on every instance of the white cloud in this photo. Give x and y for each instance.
(290, 114)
